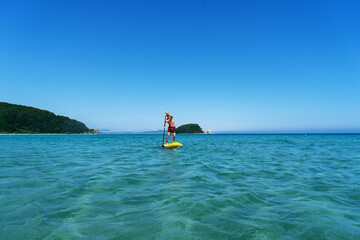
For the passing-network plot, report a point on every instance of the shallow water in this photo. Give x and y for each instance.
(214, 187)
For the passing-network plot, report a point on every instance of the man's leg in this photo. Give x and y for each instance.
(174, 137)
(167, 138)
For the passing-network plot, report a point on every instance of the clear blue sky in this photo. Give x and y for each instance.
(227, 65)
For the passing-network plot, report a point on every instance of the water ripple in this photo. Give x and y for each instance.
(214, 187)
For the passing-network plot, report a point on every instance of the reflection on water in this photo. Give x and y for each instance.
(174, 169)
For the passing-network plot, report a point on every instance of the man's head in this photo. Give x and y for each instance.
(168, 115)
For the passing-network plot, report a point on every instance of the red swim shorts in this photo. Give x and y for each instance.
(172, 130)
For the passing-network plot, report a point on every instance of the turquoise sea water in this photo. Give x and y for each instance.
(214, 187)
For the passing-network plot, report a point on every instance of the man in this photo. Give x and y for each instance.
(171, 128)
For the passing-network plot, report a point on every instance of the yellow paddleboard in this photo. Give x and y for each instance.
(173, 145)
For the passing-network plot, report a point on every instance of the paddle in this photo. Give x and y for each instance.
(164, 131)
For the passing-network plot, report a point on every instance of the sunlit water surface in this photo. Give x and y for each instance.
(214, 187)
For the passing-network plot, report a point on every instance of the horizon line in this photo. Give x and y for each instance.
(238, 133)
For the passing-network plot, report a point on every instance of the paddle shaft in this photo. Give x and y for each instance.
(164, 131)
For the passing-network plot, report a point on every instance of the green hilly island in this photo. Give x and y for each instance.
(28, 120)
(189, 128)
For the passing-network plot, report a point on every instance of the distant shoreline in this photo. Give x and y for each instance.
(82, 134)
(194, 134)
(234, 134)
(40, 134)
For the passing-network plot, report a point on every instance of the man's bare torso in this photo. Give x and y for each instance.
(171, 122)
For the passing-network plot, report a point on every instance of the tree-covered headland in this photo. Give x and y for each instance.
(189, 128)
(28, 120)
